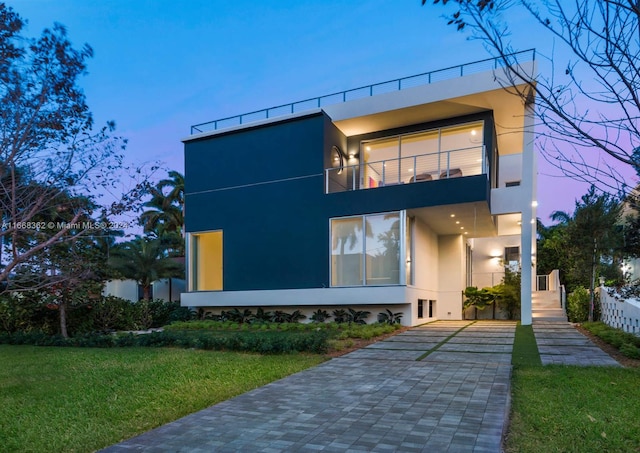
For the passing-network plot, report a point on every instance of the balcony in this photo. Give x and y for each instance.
(407, 170)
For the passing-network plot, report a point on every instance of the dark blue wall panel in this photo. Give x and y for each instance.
(264, 187)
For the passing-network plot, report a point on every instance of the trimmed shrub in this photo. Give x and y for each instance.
(578, 305)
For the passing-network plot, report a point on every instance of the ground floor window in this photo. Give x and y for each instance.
(205, 261)
(426, 305)
(365, 250)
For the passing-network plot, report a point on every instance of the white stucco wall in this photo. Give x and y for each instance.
(620, 313)
(125, 289)
(451, 278)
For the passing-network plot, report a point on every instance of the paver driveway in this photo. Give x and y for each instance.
(443, 387)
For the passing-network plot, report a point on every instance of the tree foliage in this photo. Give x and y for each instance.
(588, 102)
(585, 244)
(145, 261)
(164, 217)
(54, 165)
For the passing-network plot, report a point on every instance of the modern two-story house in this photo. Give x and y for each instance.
(397, 195)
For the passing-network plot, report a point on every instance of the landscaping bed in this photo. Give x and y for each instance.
(610, 349)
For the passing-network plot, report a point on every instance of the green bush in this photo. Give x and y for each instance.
(578, 305)
(246, 341)
(630, 350)
(627, 343)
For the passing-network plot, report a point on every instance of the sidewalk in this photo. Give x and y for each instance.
(455, 398)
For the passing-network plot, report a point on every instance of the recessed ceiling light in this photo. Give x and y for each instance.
(473, 132)
(457, 222)
(453, 215)
(462, 228)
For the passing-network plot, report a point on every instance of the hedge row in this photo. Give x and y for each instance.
(270, 342)
(627, 343)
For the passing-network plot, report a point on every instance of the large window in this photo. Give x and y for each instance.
(205, 261)
(365, 250)
(424, 156)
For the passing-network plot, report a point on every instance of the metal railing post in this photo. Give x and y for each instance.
(353, 178)
(326, 181)
(415, 167)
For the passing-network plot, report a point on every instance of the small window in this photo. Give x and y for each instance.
(432, 308)
(512, 183)
(205, 266)
(512, 258)
(420, 308)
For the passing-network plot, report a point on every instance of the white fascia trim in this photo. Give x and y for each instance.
(361, 295)
(444, 90)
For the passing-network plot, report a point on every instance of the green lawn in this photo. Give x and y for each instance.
(575, 409)
(82, 399)
(569, 408)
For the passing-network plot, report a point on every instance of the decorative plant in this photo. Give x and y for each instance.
(388, 317)
(262, 316)
(296, 316)
(235, 315)
(357, 317)
(340, 315)
(280, 316)
(320, 316)
(478, 298)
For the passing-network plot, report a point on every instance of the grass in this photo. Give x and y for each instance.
(574, 409)
(83, 399)
(525, 348)
(569, 408)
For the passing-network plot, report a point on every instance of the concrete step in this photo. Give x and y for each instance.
(550, 319)
(549, 311)
(546, 304)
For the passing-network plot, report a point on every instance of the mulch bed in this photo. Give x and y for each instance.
(609, 349)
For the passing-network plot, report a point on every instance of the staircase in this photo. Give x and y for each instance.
(546, 306)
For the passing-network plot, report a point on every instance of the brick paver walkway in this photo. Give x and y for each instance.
(559, 343)
(443, 387)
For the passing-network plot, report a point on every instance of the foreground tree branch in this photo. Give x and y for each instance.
(588, 106)
(55, 167)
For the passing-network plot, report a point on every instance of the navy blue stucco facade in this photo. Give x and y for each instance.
(264, 187)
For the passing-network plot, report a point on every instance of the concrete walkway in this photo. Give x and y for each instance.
(559, 343)
(443, 387)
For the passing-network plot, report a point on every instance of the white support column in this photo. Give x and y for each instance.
(528, 234)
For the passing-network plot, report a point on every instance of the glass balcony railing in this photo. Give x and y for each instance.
(406, 170)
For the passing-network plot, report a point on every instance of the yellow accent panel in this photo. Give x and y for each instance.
(209, 261)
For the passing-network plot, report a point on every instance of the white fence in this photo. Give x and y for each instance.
(619, 313)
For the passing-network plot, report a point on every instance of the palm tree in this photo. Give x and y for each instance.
(165, 216)
(144, 259)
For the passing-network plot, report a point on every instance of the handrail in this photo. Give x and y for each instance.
(343, 96)
(417, 167)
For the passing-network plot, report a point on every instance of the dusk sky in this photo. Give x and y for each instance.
(161, 66)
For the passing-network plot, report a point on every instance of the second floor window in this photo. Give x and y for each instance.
(441, 153)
